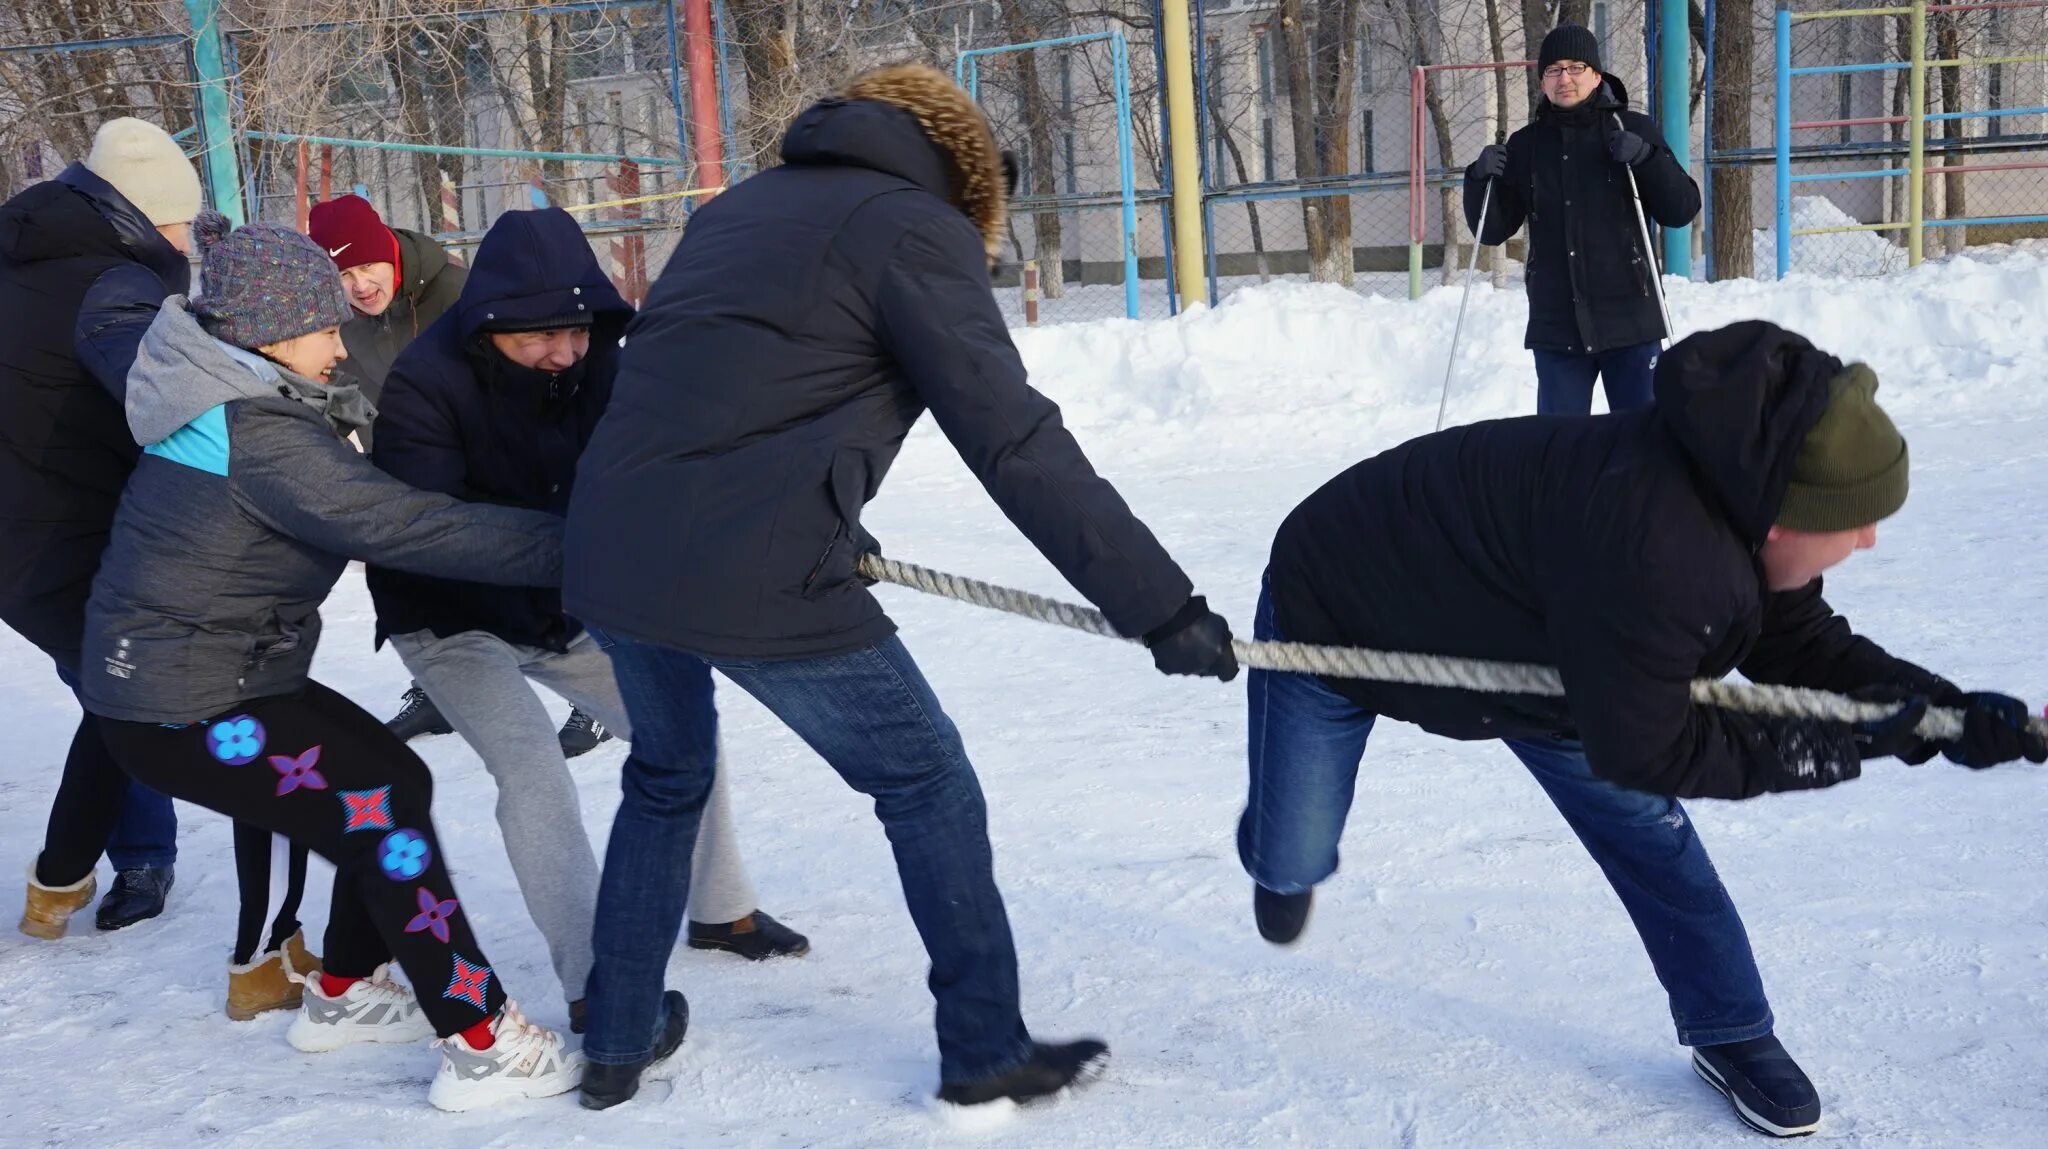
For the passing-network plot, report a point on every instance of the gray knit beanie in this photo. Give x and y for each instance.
(263, 284)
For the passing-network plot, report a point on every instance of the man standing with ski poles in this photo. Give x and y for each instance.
(1587, 175)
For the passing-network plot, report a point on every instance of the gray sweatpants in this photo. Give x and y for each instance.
(479, 682)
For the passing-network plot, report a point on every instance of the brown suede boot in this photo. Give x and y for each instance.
(266, 983)
(48, 909)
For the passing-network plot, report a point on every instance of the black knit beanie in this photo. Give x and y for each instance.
(1569, 42)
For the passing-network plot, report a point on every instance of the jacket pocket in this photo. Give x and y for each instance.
(837, 565)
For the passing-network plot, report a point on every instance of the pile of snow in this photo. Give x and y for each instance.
(1845, 253)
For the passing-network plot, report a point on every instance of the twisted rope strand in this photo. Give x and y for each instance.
(1940, 724)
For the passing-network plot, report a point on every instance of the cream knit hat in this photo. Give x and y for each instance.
(148, 168)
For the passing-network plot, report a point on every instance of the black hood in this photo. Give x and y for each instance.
(1741, 400)
(80, 214)
(868, 134)
(1610, 97)
(534, 266)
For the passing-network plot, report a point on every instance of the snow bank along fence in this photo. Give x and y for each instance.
(1940, 724)
(1994, 89)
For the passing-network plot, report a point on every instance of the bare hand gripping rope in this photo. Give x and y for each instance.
(1939, 725)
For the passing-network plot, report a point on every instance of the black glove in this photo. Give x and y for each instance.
(1491, 164)
(1194, 641)
(1995, 731)
(1009, 172)
(1628, 148)
(1893, 737)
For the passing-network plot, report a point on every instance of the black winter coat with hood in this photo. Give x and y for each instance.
(809, 317)
(460, 419)
(82, 274)
(1621, 550)
(1588, 276)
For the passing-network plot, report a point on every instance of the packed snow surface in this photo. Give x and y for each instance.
(1467, 979)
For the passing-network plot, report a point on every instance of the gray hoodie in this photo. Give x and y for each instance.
(246, 507)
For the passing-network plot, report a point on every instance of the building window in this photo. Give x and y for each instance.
(1265, 66)
(1600, 26)
(1994, 126)
(1366, 163)
(1845, 103)
(1365, 78)
(1217, 127)
(1067, 123)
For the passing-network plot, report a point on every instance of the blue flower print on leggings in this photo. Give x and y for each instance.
(403, 855)
(235, 741)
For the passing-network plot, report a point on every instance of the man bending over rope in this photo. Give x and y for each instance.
(1635, 553)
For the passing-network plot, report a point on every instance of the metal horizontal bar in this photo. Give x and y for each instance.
(1950, 169)
(1991, 114)
(459, 16)
(1987, 219)
(487, 153)
(1855, 123)
(1864, 149)
(1983, 7)
(1853, 227)
(1474, 67)
(1846, 12)
(92, 45)
(1988, 60)
(1847, 69)
(1830, 177)
(1059, 41)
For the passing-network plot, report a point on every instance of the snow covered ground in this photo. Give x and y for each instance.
(1468, 979)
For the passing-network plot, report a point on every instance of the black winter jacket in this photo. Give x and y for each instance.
(1619, 549)
(429, 284)
(809, 317)
(1588, 275)
(82, 273)
(459, 419)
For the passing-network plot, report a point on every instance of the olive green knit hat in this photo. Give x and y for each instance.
(1851, 469)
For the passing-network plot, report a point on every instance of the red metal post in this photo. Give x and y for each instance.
(707, 136)
(299, 205)
(326, 172)
(1030, 293)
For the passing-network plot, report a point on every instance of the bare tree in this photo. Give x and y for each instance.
(1734, 60)
(1955, 202)
(1021, 27)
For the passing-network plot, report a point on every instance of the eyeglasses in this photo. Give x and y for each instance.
(1572, 70)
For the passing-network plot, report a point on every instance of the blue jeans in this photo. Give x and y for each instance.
(871, 716)
(1564, 380)
(146, 828)
(1306, 742)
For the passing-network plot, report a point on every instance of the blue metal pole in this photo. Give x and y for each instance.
(736, 166)
(1674, 91)
(216, 126)
(1209, 179)
(1120, 54)
(1782, 35)
(1166, 150)
(1707, 148)
(675, 80)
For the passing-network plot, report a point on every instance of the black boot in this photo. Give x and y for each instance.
(1769, 1091)
(418, 718)
(755, 937)
(1281, 917)
(582, 734)
(1051, 1069)
(607, 1085)
(136, 896)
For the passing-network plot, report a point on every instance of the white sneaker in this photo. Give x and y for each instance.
(527, 1061)
(373, 1009)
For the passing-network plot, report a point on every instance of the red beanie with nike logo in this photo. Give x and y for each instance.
(351, 232)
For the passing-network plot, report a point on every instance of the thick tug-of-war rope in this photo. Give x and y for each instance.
(1939, 725)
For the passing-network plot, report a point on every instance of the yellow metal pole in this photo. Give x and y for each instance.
(1188, 256)
(1916, 135)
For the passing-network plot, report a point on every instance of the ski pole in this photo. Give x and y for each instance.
(1649, 253)
(1472, 270)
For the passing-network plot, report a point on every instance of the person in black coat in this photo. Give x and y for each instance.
(809, 318)
(1572, 177)
(85, 261)
(1634, 553)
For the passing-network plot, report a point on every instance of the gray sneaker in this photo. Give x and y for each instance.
(375, 1008)
(525, 1060)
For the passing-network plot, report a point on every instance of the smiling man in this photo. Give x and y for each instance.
(399, 282)
(1634, 553)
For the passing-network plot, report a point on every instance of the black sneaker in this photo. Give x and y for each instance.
(1769, 1091)
(607, 1085)
(136, 896)
(1051, 1069)
(1281, 917)
(582, 734)
(418, 718)
(755, 937)
(579, 1014)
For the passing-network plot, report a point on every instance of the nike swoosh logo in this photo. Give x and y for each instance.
(337, 251)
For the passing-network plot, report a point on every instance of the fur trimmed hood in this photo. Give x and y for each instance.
(955, 124)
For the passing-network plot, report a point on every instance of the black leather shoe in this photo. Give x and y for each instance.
(607, 1085)
(755, 937)
(1281, 917)
(1769, 1091)
(1051, 1069)
(136, 896)
(418, 718)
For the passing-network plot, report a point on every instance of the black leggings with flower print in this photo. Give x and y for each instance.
(325, 773)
